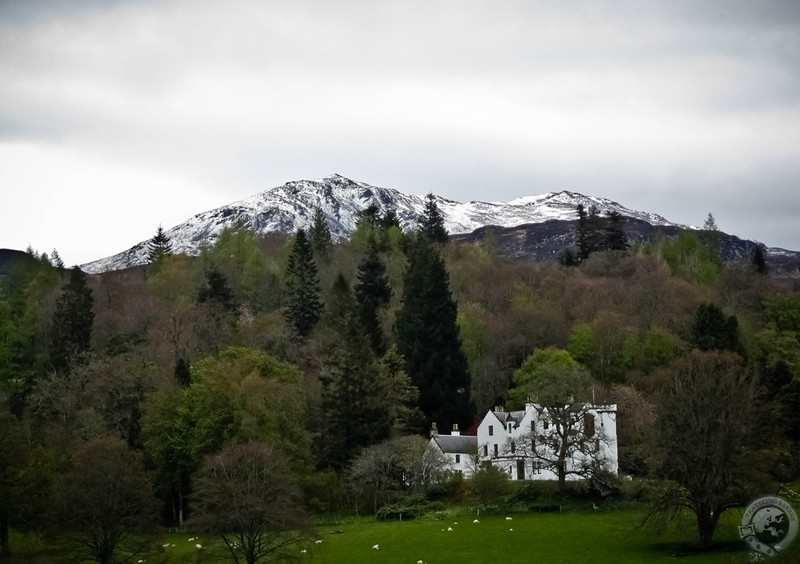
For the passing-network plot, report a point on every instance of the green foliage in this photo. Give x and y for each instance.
(713, 331)
(71, 332)
(304, 306)
(548, 375)
(688, 257)
(431, 224)
(428, 338)
(23, 316)
(158, 248)
(372, 293)
(355, 399)
(490, 485)
(320, 237)
(254, 280)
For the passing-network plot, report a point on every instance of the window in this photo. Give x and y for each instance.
(510, 427)
(546, 424)
(513, 447)
(588, 425)
(495, 449)
(485, 450)
(491, 430)
(458, 458)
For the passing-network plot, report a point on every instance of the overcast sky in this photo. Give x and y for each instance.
(118, 116)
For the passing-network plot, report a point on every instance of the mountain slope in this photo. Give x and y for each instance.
(291, 207)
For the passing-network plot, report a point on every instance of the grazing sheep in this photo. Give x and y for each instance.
(508, 518)
(318, 541)
(476, 521)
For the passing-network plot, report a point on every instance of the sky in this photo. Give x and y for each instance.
(117, 116)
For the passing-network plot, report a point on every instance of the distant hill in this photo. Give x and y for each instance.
(9, 257)
(534, 226)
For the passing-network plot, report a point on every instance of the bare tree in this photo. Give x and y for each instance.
(565, 438)
(246, 496)
(105, 500)
(706, 434)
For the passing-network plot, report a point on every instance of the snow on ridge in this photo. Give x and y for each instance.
(291, 206)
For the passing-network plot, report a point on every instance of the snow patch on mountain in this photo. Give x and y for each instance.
(291, 207)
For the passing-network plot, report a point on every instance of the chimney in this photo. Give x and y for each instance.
(434, 430)
(455, 431)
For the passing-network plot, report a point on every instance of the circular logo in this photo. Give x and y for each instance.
(769, 525)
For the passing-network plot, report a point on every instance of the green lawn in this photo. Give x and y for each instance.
(529, 537)
(572, 537)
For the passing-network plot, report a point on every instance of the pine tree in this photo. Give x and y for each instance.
(320, 236)
(373, 293)
(356, 398)
(71, 334)
(304, 306)
(590, 233)
(55, 259)
(432, 223)
(758, 260)
(712, 331)
(615, 238)
(159, 247)
(428, 338)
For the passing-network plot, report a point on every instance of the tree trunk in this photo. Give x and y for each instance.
(706, 525)
(5, 548)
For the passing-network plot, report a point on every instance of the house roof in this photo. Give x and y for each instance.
(456, 443)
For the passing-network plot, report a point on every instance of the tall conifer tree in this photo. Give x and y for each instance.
(304, 306)
(320, 236)
(432, 223)
(71, 334)
(356, 402)
(428, 338)
(373, 293)
(159, 247)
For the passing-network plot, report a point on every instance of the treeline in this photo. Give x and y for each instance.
(322, 352)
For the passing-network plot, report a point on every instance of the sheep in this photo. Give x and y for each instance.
(375, 547)
(475, 521)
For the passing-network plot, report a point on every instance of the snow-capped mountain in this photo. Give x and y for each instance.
(291, 207)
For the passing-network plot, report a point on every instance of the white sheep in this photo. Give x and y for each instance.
(318, 541)
(375, 547)
(475, 521)
(198, 546)
(508, 518)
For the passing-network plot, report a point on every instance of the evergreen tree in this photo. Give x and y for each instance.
(431, 223)
(373, 293)
(304, 306)
(356, 399)
(320, 236)
(428, 338)
(216, 291)
(615, 238)
(758, 260)
(712, 331)
(590, 233)
(71, 334)
(159, 247)
(55, 259)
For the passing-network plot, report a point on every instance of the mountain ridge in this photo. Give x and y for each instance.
(291, 206)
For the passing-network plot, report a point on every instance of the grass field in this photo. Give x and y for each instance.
(528, 537)
(451, 537)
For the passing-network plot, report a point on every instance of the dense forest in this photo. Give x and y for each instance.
(304, 357)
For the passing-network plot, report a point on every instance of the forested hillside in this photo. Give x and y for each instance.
(315, 351)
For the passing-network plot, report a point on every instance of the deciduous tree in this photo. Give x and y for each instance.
(706, 435)
(105, 500)
(245, 495)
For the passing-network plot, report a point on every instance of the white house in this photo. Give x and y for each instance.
(522, 442)
(460, 450)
